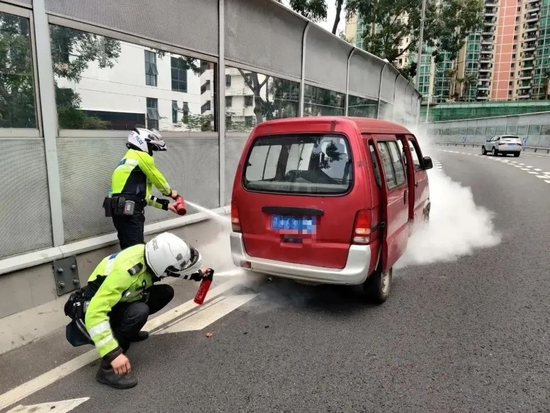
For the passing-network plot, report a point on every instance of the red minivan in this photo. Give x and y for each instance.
(328, 200)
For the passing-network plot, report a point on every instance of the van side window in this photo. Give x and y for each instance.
(387, 164)
(414, 153)
(397, 162)
(377, 175)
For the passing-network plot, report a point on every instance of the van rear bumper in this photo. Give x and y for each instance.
(355, 272)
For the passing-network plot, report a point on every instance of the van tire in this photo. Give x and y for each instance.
(377, 287)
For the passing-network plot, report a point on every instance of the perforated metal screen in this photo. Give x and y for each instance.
(326, 59)
(25, 220)
(188, 23)
(86, 164)
(234, 145)
(364, 75)
(264, 35)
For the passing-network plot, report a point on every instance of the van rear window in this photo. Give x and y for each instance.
(300, 164)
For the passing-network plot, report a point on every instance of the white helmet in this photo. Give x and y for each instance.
(167, 254)
(146, 140)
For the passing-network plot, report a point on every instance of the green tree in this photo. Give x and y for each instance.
(316, 10)
(446, 25)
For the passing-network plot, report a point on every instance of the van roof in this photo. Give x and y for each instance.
(365, 125)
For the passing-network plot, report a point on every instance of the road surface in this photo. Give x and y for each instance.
(463, 336)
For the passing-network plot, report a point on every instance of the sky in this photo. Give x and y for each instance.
(330, 17)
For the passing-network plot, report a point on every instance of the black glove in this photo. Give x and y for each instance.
(196, 276)
(164, 203)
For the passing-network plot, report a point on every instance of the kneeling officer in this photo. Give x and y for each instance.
(113, 308)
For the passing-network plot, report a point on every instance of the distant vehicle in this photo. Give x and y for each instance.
(502, 144)
(328, 200)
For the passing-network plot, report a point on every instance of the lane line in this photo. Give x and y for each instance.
(62, 406)
(44, 380)
(548, 181)
(203, 319)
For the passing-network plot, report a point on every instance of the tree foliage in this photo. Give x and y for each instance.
(317, 10)
(446, 25)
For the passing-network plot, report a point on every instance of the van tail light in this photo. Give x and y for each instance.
(235, 221)
(362, 227)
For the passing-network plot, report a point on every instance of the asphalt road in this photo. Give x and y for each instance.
(464, 336)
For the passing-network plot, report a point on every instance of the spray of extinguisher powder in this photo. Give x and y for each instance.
(204, 287)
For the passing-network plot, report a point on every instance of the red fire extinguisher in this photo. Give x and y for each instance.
(180, 205)
(204, 287)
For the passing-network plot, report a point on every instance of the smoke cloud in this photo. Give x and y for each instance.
(457, 225)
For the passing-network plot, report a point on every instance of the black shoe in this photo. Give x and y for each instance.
(141, 336)
(110, 378)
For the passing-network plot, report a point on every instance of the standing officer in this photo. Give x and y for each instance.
(131, 185)
(113, 307)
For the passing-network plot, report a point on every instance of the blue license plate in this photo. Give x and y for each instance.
(301, 225)
(511, 144)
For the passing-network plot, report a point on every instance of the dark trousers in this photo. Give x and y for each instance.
(130, 229)
(127, 319)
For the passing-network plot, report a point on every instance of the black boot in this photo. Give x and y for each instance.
(106, 375)
(141, 336)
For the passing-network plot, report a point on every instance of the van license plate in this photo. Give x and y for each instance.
(302, 225)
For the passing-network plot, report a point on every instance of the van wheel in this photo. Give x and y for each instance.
(377, 287)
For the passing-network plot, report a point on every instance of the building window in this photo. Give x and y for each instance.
(179, 75)
(152, 113)
(206, 107)
(205, 87)
(185, 110)
(175, 111)
(228, 101)
(227, 80)
(248, 101)
(151, 71)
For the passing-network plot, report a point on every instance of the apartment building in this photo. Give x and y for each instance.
(508, 59)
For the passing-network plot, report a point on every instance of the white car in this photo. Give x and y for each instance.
(502, 144)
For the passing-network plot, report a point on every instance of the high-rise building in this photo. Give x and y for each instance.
(507, 59)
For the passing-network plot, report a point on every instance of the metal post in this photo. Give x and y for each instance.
(394, 89)
(380, 91)
(420, 41)
(303, 78)
(347, 80)
(46, 89)
(221, 98)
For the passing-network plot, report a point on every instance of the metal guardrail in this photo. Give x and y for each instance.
(473, 145)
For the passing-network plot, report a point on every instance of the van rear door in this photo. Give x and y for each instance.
(299, 199)
(395, 209)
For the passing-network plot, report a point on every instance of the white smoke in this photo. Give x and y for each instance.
(457, 226)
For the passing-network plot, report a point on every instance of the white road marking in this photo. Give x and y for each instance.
(537, 169)
(524, 169)
(547, 181)
(543, 176)
(63, 406)
(202, 318)
(44, 380)
(533, 173)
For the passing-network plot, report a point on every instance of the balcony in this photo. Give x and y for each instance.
(532, 1)
(486, 58)
(533, 8)
(532, 17)
(529, 47)
(524, 87)
(490, 11)
(238, 91)
(528, 57)
(484, 69)
(526, 76)
(490, 22)
(531, 28)
(490, 3)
